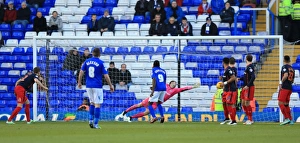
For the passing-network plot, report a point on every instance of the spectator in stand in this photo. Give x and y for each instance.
(72, 61)
(153, 4)
(125, 76)
(227, 14)
(186, 28)
(168, 3)
(2, 12)
(174, 11)
(55, 23)
(39, 23)
(157, 28)
(158, 10)
(113, 73)
(93, 24)
(83, 81)
(217, 6)
(35, 3)
(209, 28)
(106, 23)
(172, 27)
(251, 3)
(86, 55)
(234, 2)
(10, 13)
(204, 8)
(141, 8)
(23, 15)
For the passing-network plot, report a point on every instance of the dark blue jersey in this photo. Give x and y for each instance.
(160, 77)
(287, 84)
(249, 75)
(27, 81)
(230, 87)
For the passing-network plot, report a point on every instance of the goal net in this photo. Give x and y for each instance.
(187, 60)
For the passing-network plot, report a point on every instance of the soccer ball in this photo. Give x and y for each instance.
(219, 85)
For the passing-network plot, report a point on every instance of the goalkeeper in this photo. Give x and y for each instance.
(171, 91)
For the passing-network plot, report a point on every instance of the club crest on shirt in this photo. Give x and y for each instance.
(230, 72)
(250, 70)
(284, 69)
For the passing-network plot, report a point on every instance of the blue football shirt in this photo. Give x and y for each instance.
(160, 77)
(94, 69)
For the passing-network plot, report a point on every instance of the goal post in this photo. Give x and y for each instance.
(177, 42)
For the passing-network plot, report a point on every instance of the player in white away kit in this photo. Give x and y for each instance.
(94, 69)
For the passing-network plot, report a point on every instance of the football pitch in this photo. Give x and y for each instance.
(143, 132)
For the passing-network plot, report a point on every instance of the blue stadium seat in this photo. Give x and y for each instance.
(2, 103)
(54, 89)
(193, 11)
(184, 58)
(18, 35)
(9, 81)
(138, 19)
(6, 35)
(125, 19)
(242, 18)
(98, 3)
(18, 51)
(109, 51)
(255, 49)
(54, 103)
(217, 66)
(13, 59)
(193, 43)
(42, 51)
(111, 3)
(228, 49)
(220, 42)
(66, 73)
(224, 33)
(11, 103)
(195, 58)
(53, 73)
(5, 27)
(161, 50)
(197, 2)
(296, 88)
(188, 49)
(7, 96)
(44, 10)
(14, 73)
(49, 3)
(3, 59)
(29, 66)
(101, 11)
(86, 19)
(148, 50)
(109, 103)
(33, 11)
(187, 109)
(57, 51)
(29, 27)
(187, 3)
(172, 110)
(18, 27)
(92, 11)
(199, 73)
(173, 49)
(233, 42)
(206, 42)
(214, 49)
(224, 26)
(201, 50)
(29, 51)
(204, 66)
(209, 81)
(268, 109)
(3, 73)
(122, 50)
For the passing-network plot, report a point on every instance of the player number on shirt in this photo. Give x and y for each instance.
(161, 78)
(91, 72)
(291, 75)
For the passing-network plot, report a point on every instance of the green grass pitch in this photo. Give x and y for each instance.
(143, 132)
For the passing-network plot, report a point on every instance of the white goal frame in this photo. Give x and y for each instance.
(35, 50)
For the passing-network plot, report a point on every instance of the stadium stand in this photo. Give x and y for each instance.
(16, 55)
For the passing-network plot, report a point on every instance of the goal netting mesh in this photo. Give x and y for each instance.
(129, 63)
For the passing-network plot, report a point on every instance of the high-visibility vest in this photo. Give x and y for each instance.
(285, 7)
(296, 11)
(218, 100)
